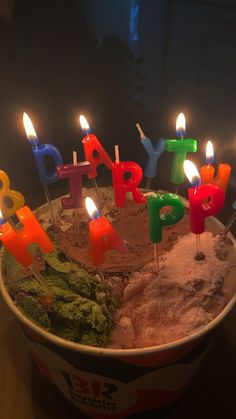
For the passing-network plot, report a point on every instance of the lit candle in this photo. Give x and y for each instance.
(40, 152)
(121, 185)
(94, 153)
(102, 235)
(204, 200)
(10, 200)
(18, 241)
(207, 171)
(153, 152)
(74, 172)
(180, 150)
(158, 220)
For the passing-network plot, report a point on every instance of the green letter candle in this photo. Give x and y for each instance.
(157, 220)
(180, 147)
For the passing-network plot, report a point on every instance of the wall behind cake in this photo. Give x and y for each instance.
(118, 62)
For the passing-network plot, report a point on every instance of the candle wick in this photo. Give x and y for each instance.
(142, 135)
(117, 155)
(75, 158)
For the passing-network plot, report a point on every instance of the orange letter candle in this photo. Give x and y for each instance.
(18, 241)
(207, 172)
(103, 237)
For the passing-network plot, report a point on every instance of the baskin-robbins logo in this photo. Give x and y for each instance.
(88, 391)
(92, 392)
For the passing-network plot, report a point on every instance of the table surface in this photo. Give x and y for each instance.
(26, 395)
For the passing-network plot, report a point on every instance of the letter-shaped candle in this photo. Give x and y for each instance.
(93, 146)
(42, 151)
(74, 172)
(207, 171)
(18, 241)
(103, 237)
(10, 200)
(123, 186)
(180, 148)
(153, 152)
(158, 220)
(204, 200)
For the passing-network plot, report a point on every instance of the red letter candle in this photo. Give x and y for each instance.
(122, 186)
(207, 172)
(74, 172)
(204, 200)
(92, 146)
(103, 237)
(18, 241)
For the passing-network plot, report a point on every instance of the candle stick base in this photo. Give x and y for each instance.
(229, 224)
(46, 191)
(156, 257)
(101, 275)
(199, 254)
(177, 189)
(43, 283)
(122, 214)
(95, 185)
(76, 219)
(148, 184)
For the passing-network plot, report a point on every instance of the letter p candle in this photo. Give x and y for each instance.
(204, 200)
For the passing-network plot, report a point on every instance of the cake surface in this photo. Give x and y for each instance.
(131, 306)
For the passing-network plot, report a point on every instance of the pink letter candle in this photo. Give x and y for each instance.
(74, 173)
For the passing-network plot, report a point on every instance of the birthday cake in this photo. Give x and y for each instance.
(128, 302)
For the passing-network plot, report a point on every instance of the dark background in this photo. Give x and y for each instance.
(60, 58)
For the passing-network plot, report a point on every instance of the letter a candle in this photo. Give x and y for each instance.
(208, 171)
(40, 151)
(180, 148)
(204, 201)
(157, 220)
(102, 235)
(91, 146)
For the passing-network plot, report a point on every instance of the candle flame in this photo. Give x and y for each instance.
(91, 208)
(180, 124)
(29, 128)
(192, 173)
(209, 152)
(84, 123)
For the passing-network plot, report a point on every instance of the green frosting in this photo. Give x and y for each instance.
(81, 309)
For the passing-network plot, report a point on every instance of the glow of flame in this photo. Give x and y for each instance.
(2, 219)
(29, 128)
(209, 152)
(192, 173)
(84, 123)
(91, 208)
(180, 123)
